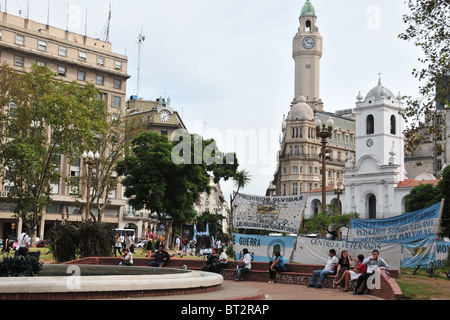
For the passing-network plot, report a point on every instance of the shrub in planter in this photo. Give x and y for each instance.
(20, 267)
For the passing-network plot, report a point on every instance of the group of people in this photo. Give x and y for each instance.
(361, 270)
(126, 243)
(345, 270)
(275, 264)
(20, 246)
(161, 256)
(217, 260)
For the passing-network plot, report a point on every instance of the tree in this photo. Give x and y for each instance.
(166, 178)
(42, 119)
(241, 179)
(112, 145)
(425, 195)
(329, 221)
(428, 28)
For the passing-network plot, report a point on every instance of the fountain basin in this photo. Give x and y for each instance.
(61, 282)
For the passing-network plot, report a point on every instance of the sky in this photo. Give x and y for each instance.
(227, 65)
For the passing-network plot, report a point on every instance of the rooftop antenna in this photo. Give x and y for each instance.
(48, 12)
(141, 41)
(106, 28)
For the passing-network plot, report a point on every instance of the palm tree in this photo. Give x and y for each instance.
(241, 180)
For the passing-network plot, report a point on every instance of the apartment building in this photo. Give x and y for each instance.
(76, 57)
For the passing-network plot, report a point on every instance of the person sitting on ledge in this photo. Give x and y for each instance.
(329, 269)
(161, 258)
(127, 258)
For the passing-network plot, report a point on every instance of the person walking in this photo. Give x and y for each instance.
(23, 243)
(118, 245)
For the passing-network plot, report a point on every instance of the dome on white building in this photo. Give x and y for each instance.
(301, 110)
(379, 92)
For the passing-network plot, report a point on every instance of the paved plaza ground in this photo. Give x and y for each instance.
(269, 291)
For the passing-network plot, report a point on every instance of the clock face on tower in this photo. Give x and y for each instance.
(369, 142)
(308, 43)
(164, 116)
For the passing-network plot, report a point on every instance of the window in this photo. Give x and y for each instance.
(294, 188)
(117, 84)
(393, 123)
(41, 63)
(164, 132)
(118, 65)
(20, 40)
(42, 45)
(370, 124)
(19, 61)
(101, 61)
(0, 33)
(63, 51)
(81, 76)
(100, 80)
(82, 55)
(116, 102)
(62, 71)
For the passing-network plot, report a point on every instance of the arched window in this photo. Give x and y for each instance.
(370, 124)
(372, 206)
(308, 26)
(393, 124)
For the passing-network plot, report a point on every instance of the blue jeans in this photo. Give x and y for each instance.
(241, 271)
(321, 274)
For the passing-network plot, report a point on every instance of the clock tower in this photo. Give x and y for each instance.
(307, 51)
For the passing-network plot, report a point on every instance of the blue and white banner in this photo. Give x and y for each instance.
(442, 250)
(408, 227)
(279, 214)
(310, 250)
(419, 252)
(261, 248)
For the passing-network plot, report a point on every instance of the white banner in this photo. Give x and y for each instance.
(312, 250)
(280, 214)
(315, 251)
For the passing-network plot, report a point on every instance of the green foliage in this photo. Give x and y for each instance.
(81, 239)
(96, 239)
(428, 27)
(42, 118)
(167, 178)
(20, 267)
(328, 221)
(425, 195)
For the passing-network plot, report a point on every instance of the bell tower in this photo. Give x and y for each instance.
(307, 51)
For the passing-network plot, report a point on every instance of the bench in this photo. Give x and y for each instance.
(297, 274)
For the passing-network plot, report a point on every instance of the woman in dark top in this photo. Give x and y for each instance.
(344, 264)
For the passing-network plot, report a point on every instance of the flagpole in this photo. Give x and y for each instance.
(299, 229)
(441, 209)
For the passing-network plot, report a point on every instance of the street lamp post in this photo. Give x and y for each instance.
(338, 192)
(324, 131)
(89, 159)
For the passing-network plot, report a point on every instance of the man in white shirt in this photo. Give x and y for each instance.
(372, 263)
(23, 243)
(329, 269)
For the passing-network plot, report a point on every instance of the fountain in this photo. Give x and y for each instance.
(71, 282)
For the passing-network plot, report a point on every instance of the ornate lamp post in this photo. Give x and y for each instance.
(89, 159)
(324, 132)
(338, 192)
